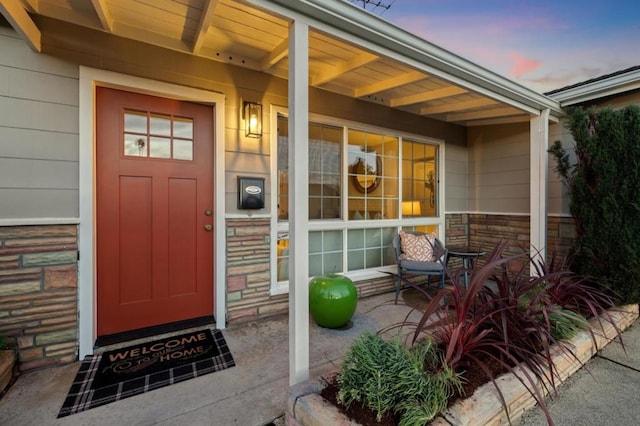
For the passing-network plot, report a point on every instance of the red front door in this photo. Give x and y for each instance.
(154, 167)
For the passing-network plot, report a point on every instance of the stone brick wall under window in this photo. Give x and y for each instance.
(38, 293)
(249, 262)
(249, 276)
(249, 273)
(486, 230)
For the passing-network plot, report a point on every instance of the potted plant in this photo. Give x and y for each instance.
(7, 362)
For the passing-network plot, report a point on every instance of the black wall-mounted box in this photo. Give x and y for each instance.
(250, 193)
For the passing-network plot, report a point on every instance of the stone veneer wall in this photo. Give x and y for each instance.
(561, 232)
(249, 272)
(487, 230)
(456, 234)
(457, 229)
(38, 293)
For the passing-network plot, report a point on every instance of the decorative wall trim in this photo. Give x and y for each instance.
(40, 221)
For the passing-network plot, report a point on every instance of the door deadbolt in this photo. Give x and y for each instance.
(208, 212)
(208, 227)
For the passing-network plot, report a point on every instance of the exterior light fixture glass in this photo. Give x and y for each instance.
(252, 114)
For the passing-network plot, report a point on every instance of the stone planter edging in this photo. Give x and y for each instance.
(305, 406)
(7, 363)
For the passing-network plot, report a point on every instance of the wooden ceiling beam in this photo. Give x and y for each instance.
(390, 83)
(488, 113)
(102, 10)
(457, 106)
(350, 65)
(31, 5)
(524, 118)
(140, 34)
(206, 18)
(276, 55)
(15, 13)
(428, 95)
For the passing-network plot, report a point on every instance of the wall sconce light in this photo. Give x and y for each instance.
(252, 115)
(411, 208)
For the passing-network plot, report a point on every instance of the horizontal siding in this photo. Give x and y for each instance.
(42, 87)
(241, 162)
(38, 133)
(498, 178)
(16, 54)
(28, 174)
(38, 203)
(499, 168)
(32, 114)
(621, 100)
(4, 79)
(38, 144)
(456, 177)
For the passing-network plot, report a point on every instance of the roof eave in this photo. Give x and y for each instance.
(599, 89)
(374, 32)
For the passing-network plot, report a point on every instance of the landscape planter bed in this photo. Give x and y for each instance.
(305, 406)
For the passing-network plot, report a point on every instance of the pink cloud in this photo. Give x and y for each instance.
(522, 65)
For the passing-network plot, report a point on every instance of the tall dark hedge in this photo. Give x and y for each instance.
(604, 187)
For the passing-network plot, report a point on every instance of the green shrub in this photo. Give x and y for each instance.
(603, 187)
(386, 375)
(565, 324)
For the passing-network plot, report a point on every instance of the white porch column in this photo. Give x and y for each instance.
(539, 129)
(298, 202)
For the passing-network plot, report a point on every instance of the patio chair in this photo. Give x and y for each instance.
(407, 265)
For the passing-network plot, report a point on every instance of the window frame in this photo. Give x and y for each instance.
(343, 224)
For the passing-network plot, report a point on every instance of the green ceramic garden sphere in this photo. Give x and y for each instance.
(332, 300)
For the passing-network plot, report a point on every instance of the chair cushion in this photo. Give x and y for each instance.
(415, 265)
(416, 247)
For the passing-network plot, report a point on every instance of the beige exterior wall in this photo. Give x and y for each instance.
(456, 177)
(499, 169)
(619, 101)
(38, 133)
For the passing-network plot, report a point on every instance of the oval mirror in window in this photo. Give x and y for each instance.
(366, 172)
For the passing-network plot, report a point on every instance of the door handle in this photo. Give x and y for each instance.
(208, 227)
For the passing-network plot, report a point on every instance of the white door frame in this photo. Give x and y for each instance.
(89, 79)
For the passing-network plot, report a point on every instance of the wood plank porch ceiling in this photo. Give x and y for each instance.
(238, 33)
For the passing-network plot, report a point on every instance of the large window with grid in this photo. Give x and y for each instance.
(364, 186)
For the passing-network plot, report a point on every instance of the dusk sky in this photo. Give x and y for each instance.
(541, 44)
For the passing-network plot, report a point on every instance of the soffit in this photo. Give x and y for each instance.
(242, 34)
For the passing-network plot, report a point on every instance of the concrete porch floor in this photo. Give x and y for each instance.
(251, 393)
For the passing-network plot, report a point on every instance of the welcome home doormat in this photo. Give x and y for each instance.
(133, 370)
